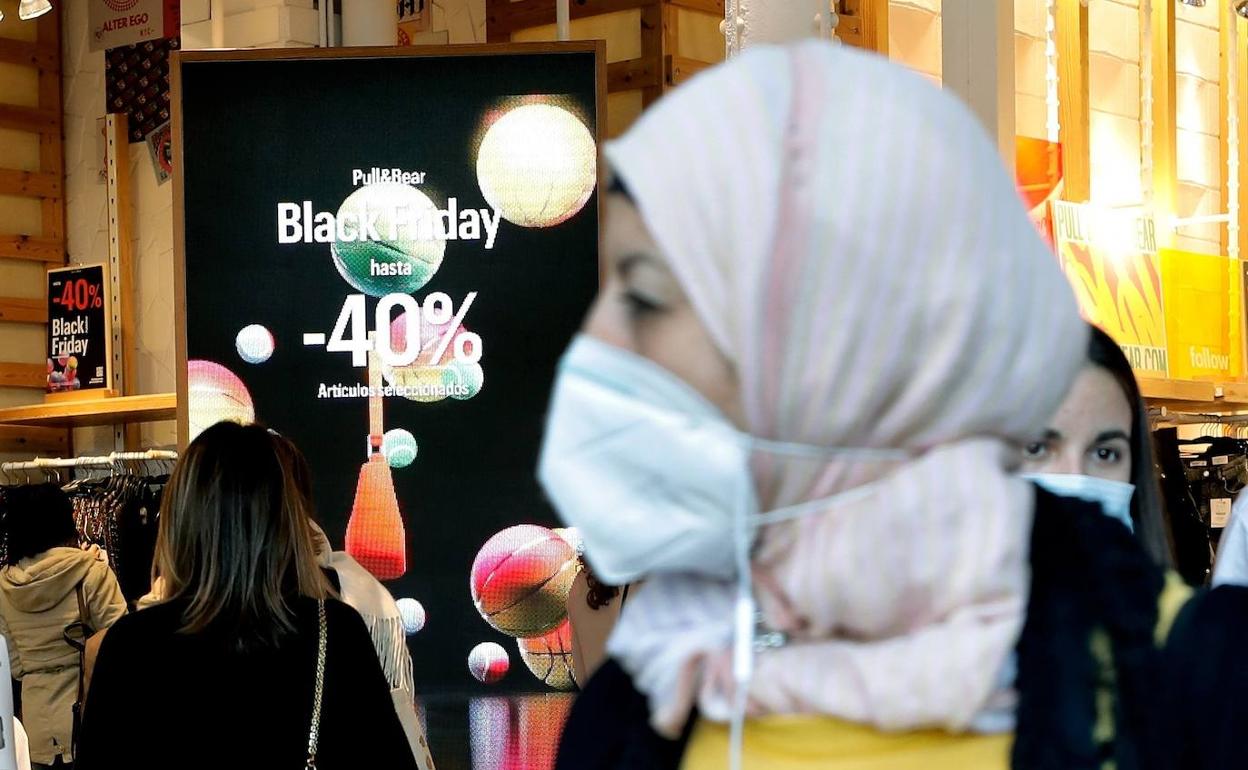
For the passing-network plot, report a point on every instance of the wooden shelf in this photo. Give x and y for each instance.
(24, 439)
(1196, 396)
(105, 411)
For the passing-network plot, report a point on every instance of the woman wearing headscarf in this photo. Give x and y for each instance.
(795, 410)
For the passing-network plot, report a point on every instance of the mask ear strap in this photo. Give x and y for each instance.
(811, 507)
(813, 451)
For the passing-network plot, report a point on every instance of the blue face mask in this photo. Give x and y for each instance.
(1114, 496)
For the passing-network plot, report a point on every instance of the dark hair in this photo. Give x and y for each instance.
(600, 594)
(38, 518)
(296, 466)
(234, 539)
(616, 186)
(1147, 508)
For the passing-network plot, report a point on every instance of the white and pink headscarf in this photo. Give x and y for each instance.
(847, 234)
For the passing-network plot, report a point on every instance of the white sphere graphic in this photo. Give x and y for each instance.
(255, 344)
(413, 614)
(537, 165)
(488, 662)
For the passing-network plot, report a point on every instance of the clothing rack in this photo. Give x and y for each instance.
(114, 460)
(1193, 424)
(118, 510)
(1203, 459)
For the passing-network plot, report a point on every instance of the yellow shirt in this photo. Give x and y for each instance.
(800, 742)
(810, 742)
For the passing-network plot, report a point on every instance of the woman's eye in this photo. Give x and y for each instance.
(639, 304)
(1035, 450)
(1107, 455)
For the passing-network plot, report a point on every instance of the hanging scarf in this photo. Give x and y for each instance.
(362, 592)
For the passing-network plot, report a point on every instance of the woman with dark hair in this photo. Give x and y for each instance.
(49, 584)
(266, 669)
(593, 609)
(1098, 446)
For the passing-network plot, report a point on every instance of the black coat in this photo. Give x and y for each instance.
(1206, 682)
(162, 699)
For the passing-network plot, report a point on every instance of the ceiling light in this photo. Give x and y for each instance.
(1241, 7)
(33, 9)
(1194, 3)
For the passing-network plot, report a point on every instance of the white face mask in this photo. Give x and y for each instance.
(1114, 496)
(644, 467)
(655, 480)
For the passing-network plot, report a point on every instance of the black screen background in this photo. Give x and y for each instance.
(259, 132)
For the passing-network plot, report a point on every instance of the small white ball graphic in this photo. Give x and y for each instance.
(488, 662)
(255, 344)
(413, 614)
(399, 447)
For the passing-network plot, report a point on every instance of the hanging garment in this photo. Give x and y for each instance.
(1189, 520)
(121, 514)
(137, 527)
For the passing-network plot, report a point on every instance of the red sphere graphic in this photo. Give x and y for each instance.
(521, 578)
(549, 657)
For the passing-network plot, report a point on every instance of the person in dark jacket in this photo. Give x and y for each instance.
(1206, 683)
(224, 672)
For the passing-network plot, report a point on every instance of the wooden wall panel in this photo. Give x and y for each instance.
(32, 214)
(1072, 84)
(1165, 126)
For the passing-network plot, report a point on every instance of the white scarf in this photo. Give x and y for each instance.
(362, 592)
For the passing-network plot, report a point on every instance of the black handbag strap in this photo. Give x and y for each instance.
(81, 646)
(80, 625)
(82, 606)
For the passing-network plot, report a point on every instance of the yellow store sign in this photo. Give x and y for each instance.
(1204, 312)
(1110, 258)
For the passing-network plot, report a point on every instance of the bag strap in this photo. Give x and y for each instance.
(314, 734)
(86, 634)
(76, 710)
(82, 608)
(81, 623)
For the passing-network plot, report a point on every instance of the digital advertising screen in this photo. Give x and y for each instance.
(384, 252)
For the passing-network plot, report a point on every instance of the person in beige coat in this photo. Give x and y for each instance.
(39, 599)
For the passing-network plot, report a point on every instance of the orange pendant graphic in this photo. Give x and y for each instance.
(375, 535)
